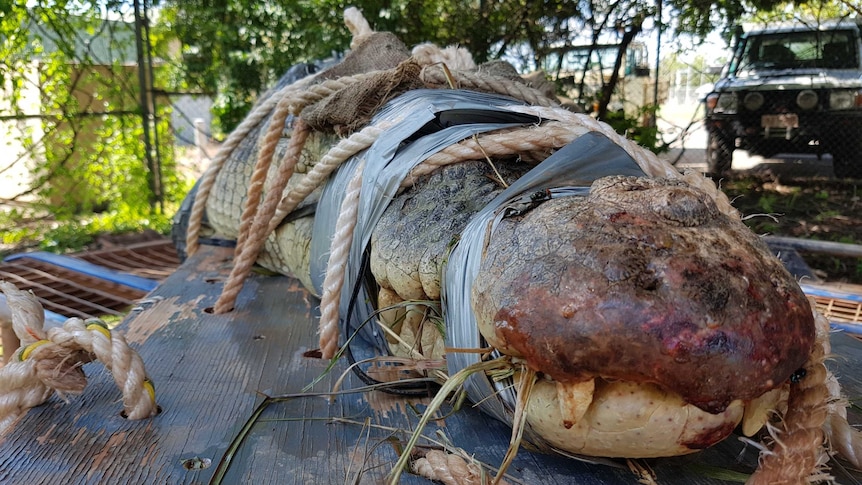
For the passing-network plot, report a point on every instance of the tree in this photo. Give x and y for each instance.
(237, 48)
(72, 103)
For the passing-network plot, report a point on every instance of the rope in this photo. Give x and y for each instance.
(336, 155)
(125, 365)
(208, 178)
(51, 361)
(511, 141)
(647, 160)
(798, 453)
(21, 390)
(8, 339)
(247, 254)
(435, 76)
(449, 469)
(258, 177)
(256, 224)
(338, 257)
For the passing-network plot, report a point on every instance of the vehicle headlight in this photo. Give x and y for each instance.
(722, 102)
(753, 101)
(806, 99)
(845, 99)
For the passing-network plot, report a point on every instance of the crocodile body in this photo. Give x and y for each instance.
(595, 267)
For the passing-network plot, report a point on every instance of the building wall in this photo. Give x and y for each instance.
(16, 163)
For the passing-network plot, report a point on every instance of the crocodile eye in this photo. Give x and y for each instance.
(684, 206)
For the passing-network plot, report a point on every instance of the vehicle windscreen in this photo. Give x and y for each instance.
(834, 49)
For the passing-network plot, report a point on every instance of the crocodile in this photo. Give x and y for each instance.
(631, 291)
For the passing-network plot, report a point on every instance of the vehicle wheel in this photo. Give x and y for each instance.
(719, 154)
(847, 157)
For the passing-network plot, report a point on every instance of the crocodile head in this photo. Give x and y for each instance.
(645, 281)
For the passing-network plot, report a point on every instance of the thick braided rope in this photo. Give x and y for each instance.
(125, 365)
(20, 390)
(8, 339)
(435, 76)
(338, 256)
(258, 177)
(208, 178)
(510, 141)
(247, 254)
(258, 222)
(448, 468)
(336, 155)
(648, 161)
(20, 386)
(23, 383)
(798, 452)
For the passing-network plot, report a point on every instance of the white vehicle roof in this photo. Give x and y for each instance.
(752, 29)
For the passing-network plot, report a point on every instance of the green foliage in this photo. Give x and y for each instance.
(767, 203)
(78, 233)
(90, 171)
(237, 48)
(803, 208)
(809, 12)
(634, 128)
(87, 152)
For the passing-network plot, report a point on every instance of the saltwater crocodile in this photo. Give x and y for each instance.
(632, 291)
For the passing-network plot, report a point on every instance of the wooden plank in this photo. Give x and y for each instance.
(210, 370)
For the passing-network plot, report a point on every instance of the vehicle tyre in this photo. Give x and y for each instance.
(719, 153)
(847, 156)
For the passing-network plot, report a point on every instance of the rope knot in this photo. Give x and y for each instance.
(51, 361)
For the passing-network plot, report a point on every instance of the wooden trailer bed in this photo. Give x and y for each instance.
(212, 371)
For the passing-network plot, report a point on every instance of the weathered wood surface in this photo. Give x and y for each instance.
(210, 371)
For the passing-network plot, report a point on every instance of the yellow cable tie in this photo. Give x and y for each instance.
(100, 327)
(151, 390)
(30, 348)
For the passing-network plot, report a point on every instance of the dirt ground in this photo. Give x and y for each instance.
(790, 195)
(809, 208)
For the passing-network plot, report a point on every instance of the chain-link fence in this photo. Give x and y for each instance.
(84, 122)
(762, 151)
(790, 98)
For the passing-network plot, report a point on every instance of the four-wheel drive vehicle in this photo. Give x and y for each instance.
(791, 89)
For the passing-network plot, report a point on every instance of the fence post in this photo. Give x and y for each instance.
(154, 176)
